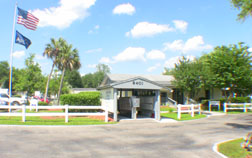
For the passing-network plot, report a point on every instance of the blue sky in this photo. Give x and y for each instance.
(131, 36)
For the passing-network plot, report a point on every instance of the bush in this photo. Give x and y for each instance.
(42, 103)
(240, 100)
(80, 99)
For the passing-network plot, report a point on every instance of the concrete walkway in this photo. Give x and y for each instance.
(127, 139)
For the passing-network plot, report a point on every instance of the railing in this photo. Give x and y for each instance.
(174, 102)
(236, 106)
(191, 108)
(66, 113)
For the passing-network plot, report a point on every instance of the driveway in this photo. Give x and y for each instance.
(127, 139)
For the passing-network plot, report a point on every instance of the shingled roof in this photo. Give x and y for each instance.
(164, 80)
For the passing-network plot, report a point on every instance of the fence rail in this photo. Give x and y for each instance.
(65, 107)
(190, 108)
(237, 106)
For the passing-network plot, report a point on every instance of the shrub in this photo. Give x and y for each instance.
(42, 103)
(80, 99)
(240, 100)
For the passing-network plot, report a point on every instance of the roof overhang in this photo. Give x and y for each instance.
(135, 83)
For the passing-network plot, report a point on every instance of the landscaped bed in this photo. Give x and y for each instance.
(233, 149)
(184, 117)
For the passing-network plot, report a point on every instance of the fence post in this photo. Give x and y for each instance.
(179, 111)
(225, 107)
(106, 113)
(199, 109)
(23, 113)
(209, 105)
(66, 113)
(192, 108)
(245, 108)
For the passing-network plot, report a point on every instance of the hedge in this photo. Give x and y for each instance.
(81, 99)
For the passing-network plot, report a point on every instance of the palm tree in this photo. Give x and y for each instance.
(69, 60)
(52, 51)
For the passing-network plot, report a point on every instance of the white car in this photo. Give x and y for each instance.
(14, 100)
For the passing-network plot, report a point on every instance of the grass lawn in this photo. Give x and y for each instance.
(167, 108)
(233, 149)
(34, 120)
(183, 116)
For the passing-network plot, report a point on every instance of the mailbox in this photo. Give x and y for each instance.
(135, 102)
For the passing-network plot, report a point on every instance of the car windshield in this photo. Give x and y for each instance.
(4, 95)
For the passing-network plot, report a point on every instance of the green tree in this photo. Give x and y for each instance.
(93, 80)
(245, 6)
(30, 78)
(69, 60)
(231, 68)
(4, 74)
(52, 52)
(74, 78)
(187, 77)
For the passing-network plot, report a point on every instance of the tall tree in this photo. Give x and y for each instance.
(73, 78)
(30, 78)
(69, 60)
(187, 77)
(245, 6)
(4, 73)
(52, 51)
(93, 80)
(231, 68)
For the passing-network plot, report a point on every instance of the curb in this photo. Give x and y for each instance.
(215, 147)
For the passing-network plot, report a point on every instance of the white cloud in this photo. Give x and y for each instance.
(94, 30)
(250, 49)
(65, 14)
(156, 54)
(18, 54)
(152, 68)
(195, 43)
(131, 54)
(124, 9)
(94, 50)
(91, 65)
(170, 63)
(180, 25)
(145, 29)
(105, 60)
(39, 57)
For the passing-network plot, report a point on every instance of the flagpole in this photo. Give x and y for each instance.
(11, 54)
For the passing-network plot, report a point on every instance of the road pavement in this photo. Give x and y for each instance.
(127, 139)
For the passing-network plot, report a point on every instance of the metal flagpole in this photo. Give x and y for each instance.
(11, 50)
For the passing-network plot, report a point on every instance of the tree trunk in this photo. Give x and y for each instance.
(48, 81)
(61, 83)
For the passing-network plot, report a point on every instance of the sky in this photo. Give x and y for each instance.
(130, 36)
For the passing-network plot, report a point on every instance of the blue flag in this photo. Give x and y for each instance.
(20, 39)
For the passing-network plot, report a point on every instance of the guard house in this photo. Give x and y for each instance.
(135, 96)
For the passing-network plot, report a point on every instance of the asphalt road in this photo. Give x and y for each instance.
(127, 139)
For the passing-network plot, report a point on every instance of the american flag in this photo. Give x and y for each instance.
(27, 19)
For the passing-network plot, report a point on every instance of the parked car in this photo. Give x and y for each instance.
(14, 100)
(41, 99)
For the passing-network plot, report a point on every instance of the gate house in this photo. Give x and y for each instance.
(133, 96)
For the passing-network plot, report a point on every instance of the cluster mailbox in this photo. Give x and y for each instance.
(135, 102)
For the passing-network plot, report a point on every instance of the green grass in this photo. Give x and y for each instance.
(233, 149)
(167, 108)
(34, 120)
(183, 116)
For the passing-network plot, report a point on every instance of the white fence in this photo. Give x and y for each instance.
(191, 108)
(66, 113)
(235, 106)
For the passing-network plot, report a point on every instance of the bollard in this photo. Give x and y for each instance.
(106, 113)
